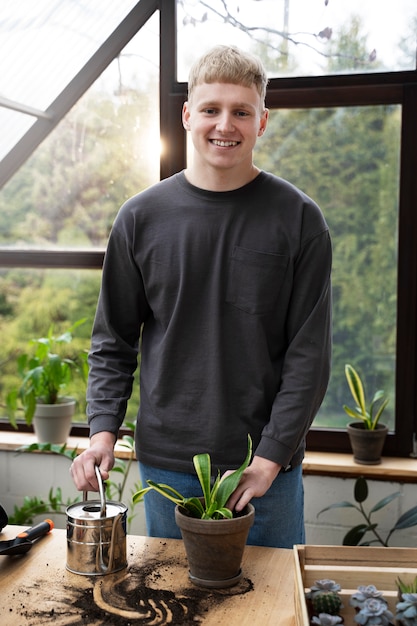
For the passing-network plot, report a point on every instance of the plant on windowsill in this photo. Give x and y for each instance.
(214, 537)
(34, 506)
(366, 435)
(46, 373)
(356, 534)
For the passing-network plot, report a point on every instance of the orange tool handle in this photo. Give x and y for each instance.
(35, 531)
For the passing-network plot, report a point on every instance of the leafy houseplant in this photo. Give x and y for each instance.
(214, 538)
(213, 504)
(367, 437)
(355, 535)
(45, 374)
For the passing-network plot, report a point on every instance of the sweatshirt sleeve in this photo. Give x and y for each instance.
(113, 358)
(306, 367)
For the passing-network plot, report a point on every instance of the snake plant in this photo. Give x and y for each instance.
(369, 415)
(215, 496)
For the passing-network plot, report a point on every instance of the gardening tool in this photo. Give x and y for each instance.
(24, 540)
(96, 535)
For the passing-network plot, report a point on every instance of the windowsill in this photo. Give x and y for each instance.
(395, 469)
(12, 440)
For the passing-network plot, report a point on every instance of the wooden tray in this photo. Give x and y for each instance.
(351, 567)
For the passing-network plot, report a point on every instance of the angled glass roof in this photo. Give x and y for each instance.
(44, 46)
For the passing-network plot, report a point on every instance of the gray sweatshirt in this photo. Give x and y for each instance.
(227, 298)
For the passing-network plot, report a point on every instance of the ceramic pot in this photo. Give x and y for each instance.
(367, 445)
(52, 422)
(214, 548)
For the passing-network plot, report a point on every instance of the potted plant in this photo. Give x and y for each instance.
(324, 597)
(45, 374)
(363, 593)
(374, 612)
(367, 435)
(355, 536)
(406, 607)
(214, 537)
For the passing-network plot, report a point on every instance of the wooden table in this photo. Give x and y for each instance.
(154, 589)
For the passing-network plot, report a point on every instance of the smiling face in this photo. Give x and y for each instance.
(225, 121)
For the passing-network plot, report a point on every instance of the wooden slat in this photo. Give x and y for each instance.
(351, 566)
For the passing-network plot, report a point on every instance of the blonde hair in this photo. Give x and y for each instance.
(228, 64)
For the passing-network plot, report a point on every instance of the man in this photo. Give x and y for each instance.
(222, 272)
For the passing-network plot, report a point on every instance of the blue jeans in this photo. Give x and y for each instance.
(279, 514)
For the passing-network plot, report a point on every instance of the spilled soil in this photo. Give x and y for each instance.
(141, 594)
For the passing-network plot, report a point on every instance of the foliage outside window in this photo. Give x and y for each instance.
(345, 157)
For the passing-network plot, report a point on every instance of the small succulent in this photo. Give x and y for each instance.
(374, 612)
(363, 593)
(407, 609)
(323, 585)
(407, 587)
(324, 597)
(324, 619)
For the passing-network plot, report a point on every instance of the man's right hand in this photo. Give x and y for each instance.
(100, 454)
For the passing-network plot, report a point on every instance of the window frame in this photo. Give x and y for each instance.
(301, 92)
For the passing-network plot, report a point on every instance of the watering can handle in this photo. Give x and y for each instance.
(102, 493)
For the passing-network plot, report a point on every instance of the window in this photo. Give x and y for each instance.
(342, 96)
(347, 159)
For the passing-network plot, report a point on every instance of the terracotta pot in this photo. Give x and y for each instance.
(367, 445)
(52, 422)
(214, 548)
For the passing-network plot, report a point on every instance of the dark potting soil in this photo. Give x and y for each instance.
(134, 596)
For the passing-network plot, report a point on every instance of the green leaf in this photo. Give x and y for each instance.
(361, 489)
(138, 495)
(356, 387)
(229, 483)
(355, 534)
(379, 505)
(337, 505)
(407, 519)
(202, 466)
(223, 512)
(194, 506)
(379, 412)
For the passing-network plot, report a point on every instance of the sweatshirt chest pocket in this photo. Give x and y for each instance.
(255, 280)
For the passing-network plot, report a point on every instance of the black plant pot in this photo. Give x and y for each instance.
(367, 445)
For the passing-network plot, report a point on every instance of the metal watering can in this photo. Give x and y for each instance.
(96, 535)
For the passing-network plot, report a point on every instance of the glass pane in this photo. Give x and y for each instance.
(303, 37)
(34, 300)
(13, 126)
(105, 150)
(347, 159)
(31, 302)
(44, 44)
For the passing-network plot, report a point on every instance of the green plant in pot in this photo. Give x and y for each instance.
(46, 373)
(406, 607)
(359, 534)
(214, 537)
(367, 435)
